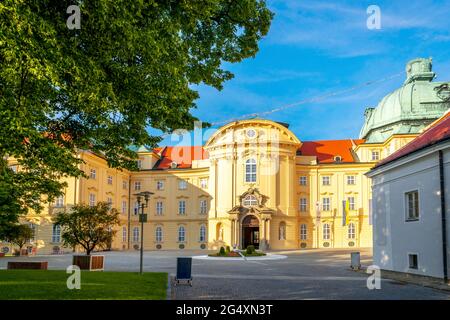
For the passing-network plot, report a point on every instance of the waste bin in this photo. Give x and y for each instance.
(184, 270)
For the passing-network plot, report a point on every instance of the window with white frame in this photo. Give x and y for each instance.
(203, 207)
(204, 183)
(159, 208)
(303, 205)
(303, 232)
(56, 233)
(136, 208)
(158, 234)
(326, 204)
(93, 174)
(33, 232)
(124, 234)
(412, 205)
(375, 155)
(182, 184)
(182, 207)
(326, 180)
(351, 230)
(92, 199)
(124, 184)
(59, 202)
(110, 180)
(124, 206)
(181, 234)
(110, 202)
(159, 185)
(250, 200)
(302, 180)
(326, 231)
(137, 185)
(250, 170)
(351, 203)
(282, 231)
(202, 233)
(139, 164)
(351, 180)
(135, 234)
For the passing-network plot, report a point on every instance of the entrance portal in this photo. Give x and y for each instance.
(250, 232)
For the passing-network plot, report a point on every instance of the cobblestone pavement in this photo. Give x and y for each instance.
(307, 274)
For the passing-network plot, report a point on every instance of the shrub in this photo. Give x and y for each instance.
(250, 249)
(222, 251)
(227, 249)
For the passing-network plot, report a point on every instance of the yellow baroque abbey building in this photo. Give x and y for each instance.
(253, 183)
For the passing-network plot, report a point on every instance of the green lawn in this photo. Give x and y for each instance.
(51, 285)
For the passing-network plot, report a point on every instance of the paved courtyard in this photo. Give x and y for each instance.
(308, 274)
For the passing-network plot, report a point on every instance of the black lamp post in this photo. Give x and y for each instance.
(142, 219)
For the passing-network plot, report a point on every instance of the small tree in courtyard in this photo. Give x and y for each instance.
(19, 235)
(88, 226)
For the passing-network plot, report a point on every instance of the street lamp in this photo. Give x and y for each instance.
(142, 219)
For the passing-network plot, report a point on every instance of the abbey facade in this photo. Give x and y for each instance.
(253, 183)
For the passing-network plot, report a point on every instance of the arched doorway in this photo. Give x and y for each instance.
(250, 231)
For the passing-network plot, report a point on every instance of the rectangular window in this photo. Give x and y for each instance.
(159, 185)
(124, 207)
(93, 174)
(139, 164)
(203, 207)
(137, 185)
(135, 234)
(124, 184)
(413, 261)
(326, 204)
(182, 207)
(124, 234)
(303, 181)
(59, 202)
(204, 183)
(136, 208)
(326, 231)
(412, 205)
(56, 234)
(326, 180)
(375, 155)
(159, 208)
(351, 203)
(182, 185)
(351, 180)
(92, 199)
(303, 206)
(110, 202)
(250, 170)
(110, 180)
(303, 232)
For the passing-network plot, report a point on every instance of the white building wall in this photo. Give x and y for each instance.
(394, 237)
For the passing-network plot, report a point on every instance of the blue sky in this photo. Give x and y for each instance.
(318, 47)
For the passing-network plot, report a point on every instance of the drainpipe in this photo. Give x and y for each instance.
(129, 212)
(443, 218)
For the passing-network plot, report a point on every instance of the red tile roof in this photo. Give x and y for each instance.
(326, 150)
(437, 132)
(182, 156)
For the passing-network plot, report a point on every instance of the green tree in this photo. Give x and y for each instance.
(132, 65)
(18, 234)
(88, 226)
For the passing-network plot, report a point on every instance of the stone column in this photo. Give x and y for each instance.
(237, 228)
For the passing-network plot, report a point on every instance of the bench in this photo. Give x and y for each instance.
(35, 265)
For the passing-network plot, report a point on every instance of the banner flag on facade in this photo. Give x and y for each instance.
(345, 212)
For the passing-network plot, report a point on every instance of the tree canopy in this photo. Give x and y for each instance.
(130, 66)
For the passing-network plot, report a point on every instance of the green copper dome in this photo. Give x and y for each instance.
(411, 107)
